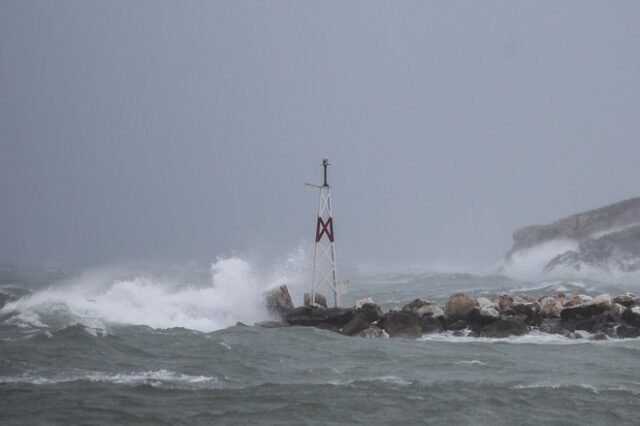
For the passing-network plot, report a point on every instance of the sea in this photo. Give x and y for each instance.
(150, 345)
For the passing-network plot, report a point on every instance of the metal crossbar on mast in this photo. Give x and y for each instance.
(324, 254)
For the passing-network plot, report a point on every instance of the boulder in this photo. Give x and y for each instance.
(594, 307)
(486, 313)
(431, 324)
(632, 316)
(627, 331)
(319, 300)
(554, 326)
(550, 307)
(409, 324)
(578, 299)
(459, 307)
(330, 318)
(458, 325)
(365, 301)
(505, 327)
(401, 324)
(504, 302)
(373, 332)
(628, 300)
(366, 314)
(279, 301)
(528, 307)
(424, 307)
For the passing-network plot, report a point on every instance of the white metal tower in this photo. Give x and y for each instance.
(324, 256)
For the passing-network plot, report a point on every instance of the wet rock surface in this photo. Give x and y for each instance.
(279, 301)
(507, 315)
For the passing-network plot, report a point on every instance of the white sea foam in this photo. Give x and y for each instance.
(470, 362)
(547, 385)
(153, 378)
(391, 379)
(234, 294)
(534, 337)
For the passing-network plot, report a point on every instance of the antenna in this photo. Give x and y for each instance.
(324, 255)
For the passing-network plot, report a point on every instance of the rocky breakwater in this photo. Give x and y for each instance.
(577, 316)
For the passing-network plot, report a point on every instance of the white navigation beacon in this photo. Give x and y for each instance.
(324, 254)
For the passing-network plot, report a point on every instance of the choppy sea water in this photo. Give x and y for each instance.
(134, 349)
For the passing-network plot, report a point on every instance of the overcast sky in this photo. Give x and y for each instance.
(186, 130)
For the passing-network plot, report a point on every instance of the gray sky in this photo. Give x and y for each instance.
(185, 130)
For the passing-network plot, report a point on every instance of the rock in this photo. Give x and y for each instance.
(365, 301)
(319, 300)
(555, 326)
(627, 331)
(401, 324)
(578, 299)
(632, 316)
(579, 226)
(483, 301)
(528, 307)
(424, 307)
(505, 327)
(459, 307)
(597, 306)
(364, 316)
(431, 325)
(330, 318)
(551, 307)
(617, 250)
(409, 324)
(628, 300)
(279, 301)
(373, 332)
(486, 312)
(458, 325)
(504, 302)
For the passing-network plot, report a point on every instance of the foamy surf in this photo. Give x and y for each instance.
(152, 378)
(233, 295)
(532, 338)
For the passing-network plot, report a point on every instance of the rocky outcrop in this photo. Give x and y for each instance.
(606, 238)
(619, 250)
(279, 301)
(579, 226)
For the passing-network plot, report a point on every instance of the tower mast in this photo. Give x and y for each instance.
(324, 254)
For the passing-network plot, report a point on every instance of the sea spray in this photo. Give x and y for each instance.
(234, 294)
